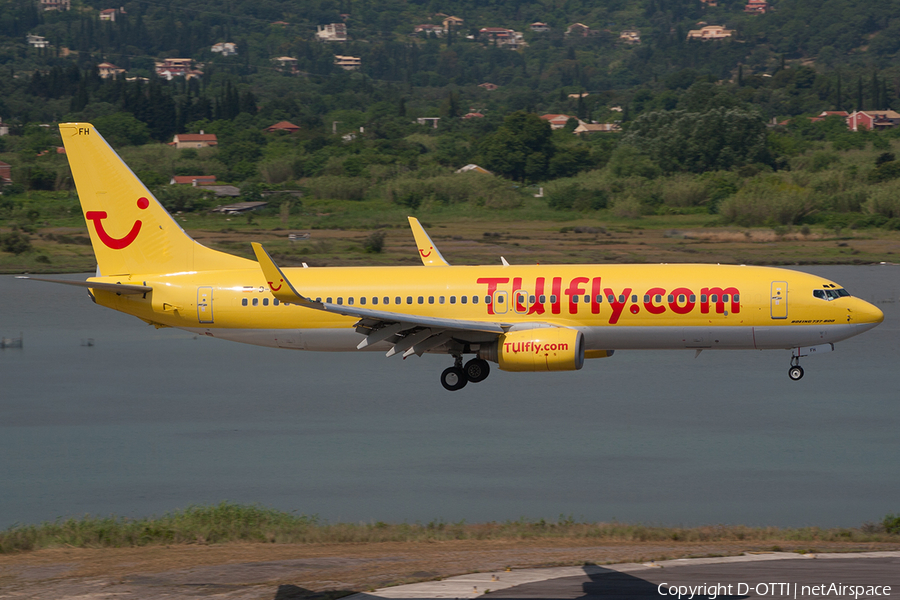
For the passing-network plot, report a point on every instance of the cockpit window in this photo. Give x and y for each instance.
(830, 294)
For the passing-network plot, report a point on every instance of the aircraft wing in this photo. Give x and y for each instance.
(119, 288)
(409, 334)
(431, 256)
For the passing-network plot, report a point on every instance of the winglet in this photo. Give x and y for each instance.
(278, 282)
(431, 256)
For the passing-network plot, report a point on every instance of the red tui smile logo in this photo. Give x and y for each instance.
(272, 285)
(116, 243)
(426, 254)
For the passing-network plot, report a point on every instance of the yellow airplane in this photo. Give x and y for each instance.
(523, 318)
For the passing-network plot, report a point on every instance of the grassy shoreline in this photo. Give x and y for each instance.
(229, 522)
(63, 247)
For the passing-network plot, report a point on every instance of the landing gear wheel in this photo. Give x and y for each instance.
(454, 378)
(477, 370)
(795, 372)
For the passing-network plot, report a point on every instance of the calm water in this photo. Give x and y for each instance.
(147, 421)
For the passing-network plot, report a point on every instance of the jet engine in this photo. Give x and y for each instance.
(541, 349)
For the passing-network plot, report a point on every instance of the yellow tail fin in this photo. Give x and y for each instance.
(130, 230)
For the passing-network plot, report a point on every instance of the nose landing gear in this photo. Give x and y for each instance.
(796, 371)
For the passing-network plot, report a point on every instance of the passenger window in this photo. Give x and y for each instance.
(387, 300)
(474, 299)
(463, 299)
(487, 299)
(634, 299)
(680, 298)
(350, 300)
(599, 299)
(409, 299)
(452, 299)
(265, 301)
(703, 298)
(340, 300)
(363, 300)
(724, 297)
(275, 302)
(646, 298)
(714, 298)
(375, 300)
(441, 300)
(243, 302)
(328, 300)
(256, 302)
(693, 298)
(575, 299)
(543, 298)
(670, 298)
(587, 299)
(421, 299)
(737, 298)
(319, 300)
(611, 298)
(553, 299)
(430, 299)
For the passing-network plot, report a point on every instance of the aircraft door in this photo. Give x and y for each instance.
(520, 302)
(779, 299)
(205, 304)
(500, 304)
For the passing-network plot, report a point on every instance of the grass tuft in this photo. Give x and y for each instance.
(229, 522)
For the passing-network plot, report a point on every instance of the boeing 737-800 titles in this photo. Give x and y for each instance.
(522, 318)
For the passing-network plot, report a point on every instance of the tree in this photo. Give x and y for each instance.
(520, 149)
(718, 139)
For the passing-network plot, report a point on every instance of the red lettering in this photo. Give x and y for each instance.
(492, 283)
(573, 290)
(595, 291)
(557, 292)
(675, 307)
(720, 300)
(652, 308)
(538, 307)
(616, 305)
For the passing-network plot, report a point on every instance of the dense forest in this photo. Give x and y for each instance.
(720, 126)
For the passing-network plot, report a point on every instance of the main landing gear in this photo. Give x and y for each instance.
(796, 371)
(456, 377)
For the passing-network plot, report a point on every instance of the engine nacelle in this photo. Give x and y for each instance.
(542, 349)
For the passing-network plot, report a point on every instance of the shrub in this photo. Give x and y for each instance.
(15, 242)
(885, 201)
(375, 242)
(891, 524)
(488, 190)
(885, 171)
(767, 201)
(574, 196)
(339, 188)
(627, 207)
(683, 192)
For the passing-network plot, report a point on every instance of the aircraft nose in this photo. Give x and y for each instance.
(863, 312)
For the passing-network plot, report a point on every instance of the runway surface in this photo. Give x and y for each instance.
(765, 575)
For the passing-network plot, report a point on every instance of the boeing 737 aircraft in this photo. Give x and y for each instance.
(522, 318)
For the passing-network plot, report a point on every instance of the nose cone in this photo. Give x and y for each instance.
(863, 312)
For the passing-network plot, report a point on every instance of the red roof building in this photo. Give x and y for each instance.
(193, 180)
(283, 126)
(195, 140)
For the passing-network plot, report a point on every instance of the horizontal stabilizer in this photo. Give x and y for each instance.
(119, 288)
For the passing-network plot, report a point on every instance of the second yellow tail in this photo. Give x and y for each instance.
(130, 230)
